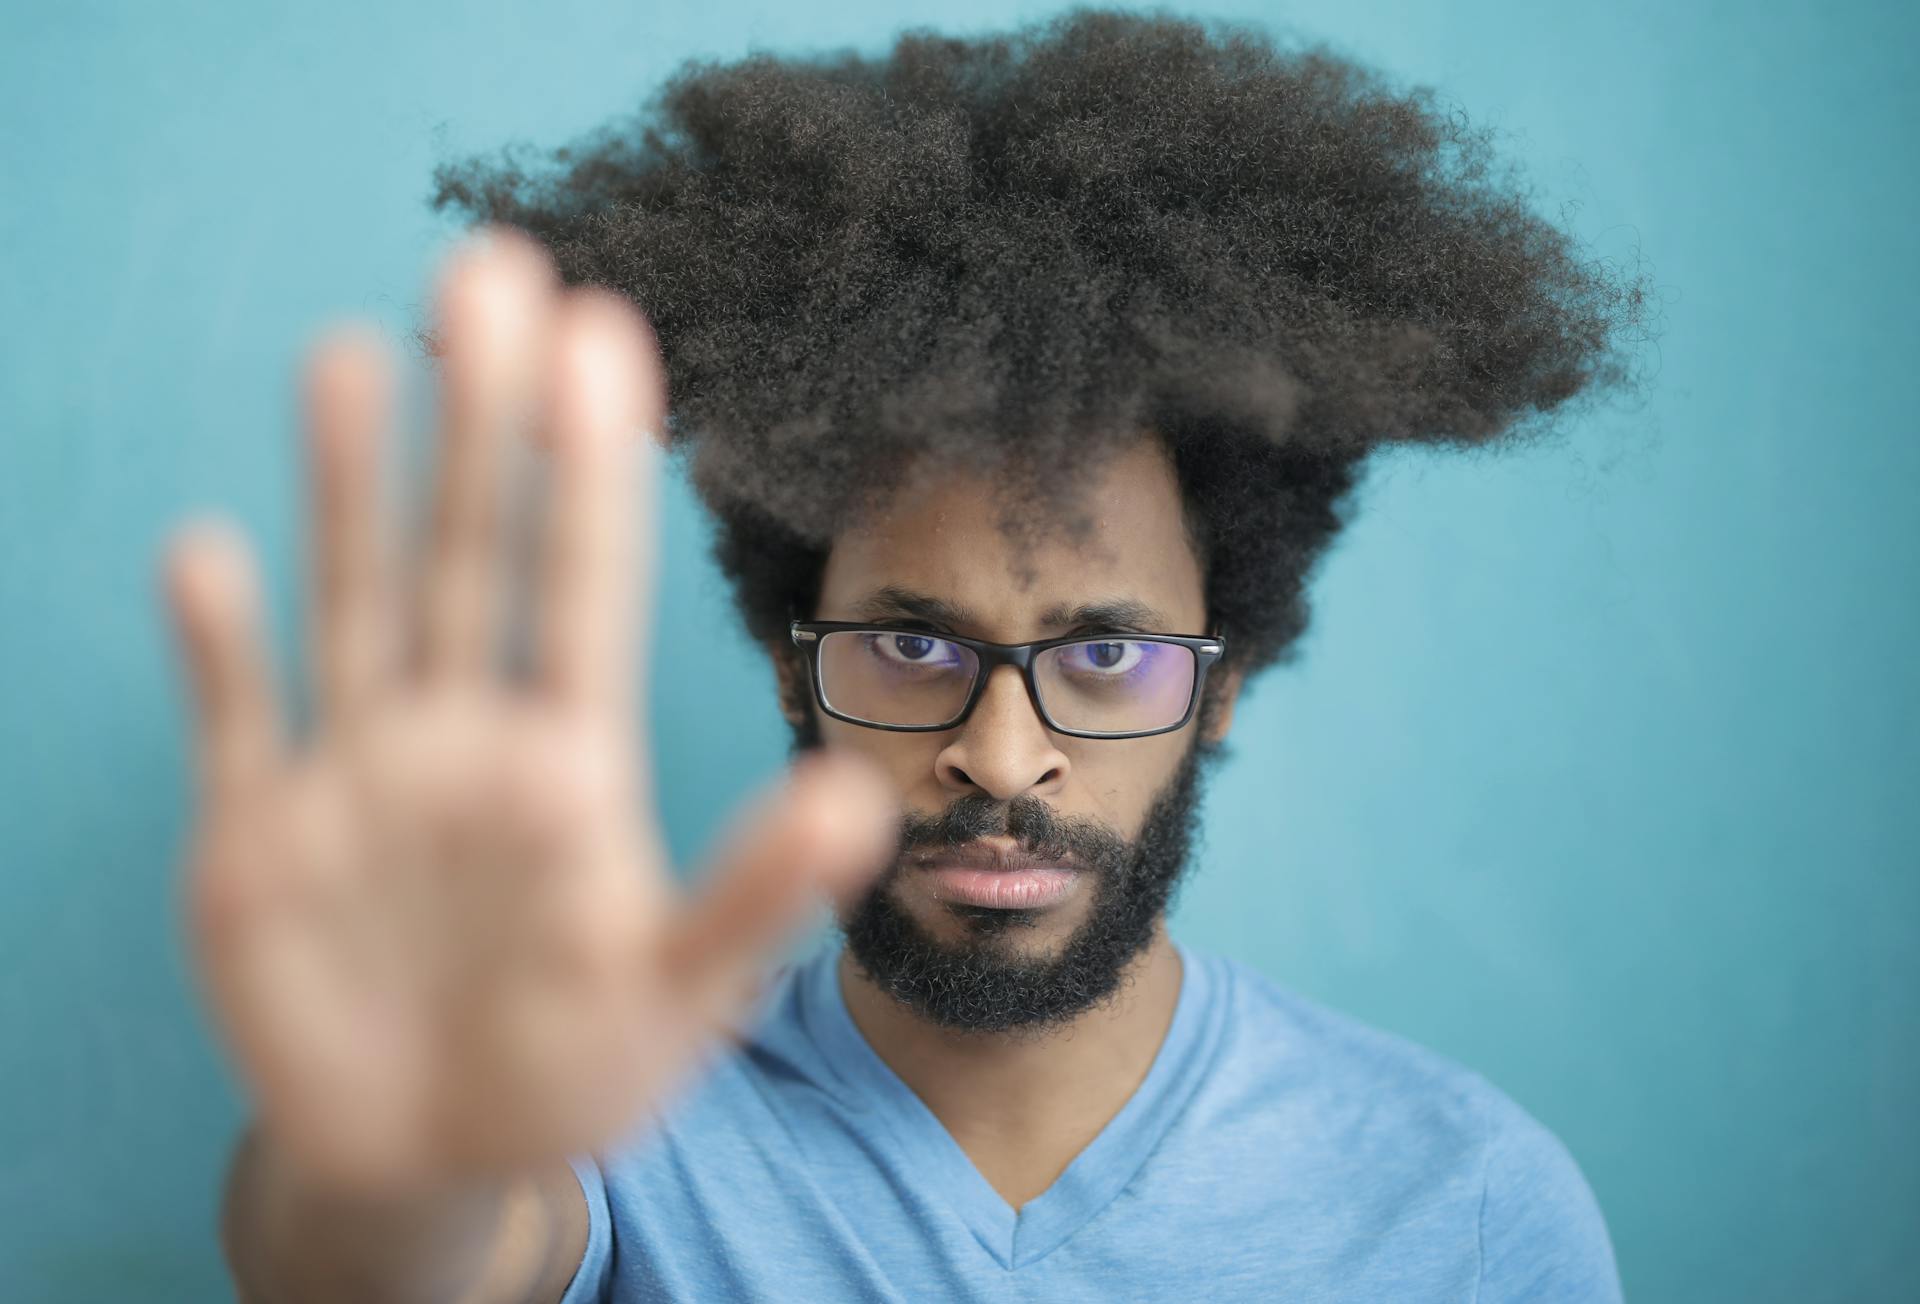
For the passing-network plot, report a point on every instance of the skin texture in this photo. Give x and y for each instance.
(1022, 1100)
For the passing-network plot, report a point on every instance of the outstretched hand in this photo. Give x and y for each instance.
(438, 933)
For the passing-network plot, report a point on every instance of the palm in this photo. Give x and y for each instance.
(438, 936)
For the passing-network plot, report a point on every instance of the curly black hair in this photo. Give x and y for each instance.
(1016, 252)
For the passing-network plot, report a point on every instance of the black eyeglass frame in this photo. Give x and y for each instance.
(808, 634)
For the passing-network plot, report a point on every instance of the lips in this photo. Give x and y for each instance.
(997, 875)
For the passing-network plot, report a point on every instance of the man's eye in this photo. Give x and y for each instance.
(909, 649)
(1109, 657)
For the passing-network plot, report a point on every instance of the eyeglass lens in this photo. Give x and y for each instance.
(1117, 685)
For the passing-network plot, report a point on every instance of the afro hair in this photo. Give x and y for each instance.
(1015, 252)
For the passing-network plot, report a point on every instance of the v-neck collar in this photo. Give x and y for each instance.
(1097, 1174)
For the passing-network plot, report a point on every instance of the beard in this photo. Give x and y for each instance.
(978, 984)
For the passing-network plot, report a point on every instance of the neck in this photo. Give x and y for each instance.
(1050, 1095)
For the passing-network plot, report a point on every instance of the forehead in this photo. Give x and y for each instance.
(1122, 538)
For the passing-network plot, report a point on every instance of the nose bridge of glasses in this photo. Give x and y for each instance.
(1012, 668)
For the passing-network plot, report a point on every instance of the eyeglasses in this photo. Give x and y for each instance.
(1092, 686)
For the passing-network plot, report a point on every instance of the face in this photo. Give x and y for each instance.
(1115, 814)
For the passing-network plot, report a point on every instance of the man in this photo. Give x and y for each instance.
(1026, 378)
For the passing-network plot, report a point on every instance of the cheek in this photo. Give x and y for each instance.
(908, 757)
(1121, 779)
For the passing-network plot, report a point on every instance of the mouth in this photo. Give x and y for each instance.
(997, 876)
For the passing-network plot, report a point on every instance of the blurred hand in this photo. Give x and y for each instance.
(438, 933)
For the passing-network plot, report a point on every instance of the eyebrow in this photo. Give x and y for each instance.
(892, 602)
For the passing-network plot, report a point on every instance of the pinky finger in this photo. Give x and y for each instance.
(213, 595)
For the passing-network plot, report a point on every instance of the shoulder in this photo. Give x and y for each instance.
(1388, 1100)
(1289, 1046)
(1542, 1234)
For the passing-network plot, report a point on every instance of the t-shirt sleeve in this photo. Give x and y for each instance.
(1541, 1233)
(591, 1278)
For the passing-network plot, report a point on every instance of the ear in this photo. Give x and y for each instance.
(1220, 715)
(790, 679)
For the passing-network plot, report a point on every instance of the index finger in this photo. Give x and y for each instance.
(606, 419)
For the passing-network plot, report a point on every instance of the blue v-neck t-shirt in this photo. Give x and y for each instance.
(1276, 1150)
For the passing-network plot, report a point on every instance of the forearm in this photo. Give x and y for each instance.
(289, 1241)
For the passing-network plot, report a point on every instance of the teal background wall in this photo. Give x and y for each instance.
(1597, 771)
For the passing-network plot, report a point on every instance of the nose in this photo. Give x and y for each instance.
(1003, 749)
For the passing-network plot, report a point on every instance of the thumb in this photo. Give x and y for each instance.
(830, 824)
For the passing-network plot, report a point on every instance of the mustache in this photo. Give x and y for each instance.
(1041, 831)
